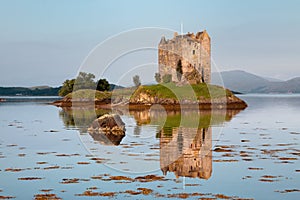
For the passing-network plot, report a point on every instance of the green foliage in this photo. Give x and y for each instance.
(67, 87)
(127, 92)
(103, 85)
(157, 77)
(167, 78)
(88, 94)
(85, 81)
(136, 80)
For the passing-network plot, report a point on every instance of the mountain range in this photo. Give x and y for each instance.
(244, 82)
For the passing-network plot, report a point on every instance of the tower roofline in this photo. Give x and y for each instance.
(199, 36)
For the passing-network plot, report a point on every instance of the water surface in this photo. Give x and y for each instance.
(251, 154)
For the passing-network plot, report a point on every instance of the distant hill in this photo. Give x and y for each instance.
(40, 87)
(272, 79)
(244, 82)
(33, 91)
(114, 86)
(37, 90)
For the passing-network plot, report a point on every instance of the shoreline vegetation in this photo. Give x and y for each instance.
(169, 95)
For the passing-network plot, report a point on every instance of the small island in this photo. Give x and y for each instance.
(170, 96)
(184, 74)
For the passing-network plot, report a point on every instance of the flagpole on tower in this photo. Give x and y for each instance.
(181, 28)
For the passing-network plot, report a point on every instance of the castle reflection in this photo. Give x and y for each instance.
(187, 153)
(185, 137)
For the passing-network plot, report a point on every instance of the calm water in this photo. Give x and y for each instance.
(251, 154)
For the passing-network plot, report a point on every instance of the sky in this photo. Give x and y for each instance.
(46, 42)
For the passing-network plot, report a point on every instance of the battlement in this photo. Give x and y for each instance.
(198, 37)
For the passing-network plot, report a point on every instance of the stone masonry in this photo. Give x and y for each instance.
(187, 58)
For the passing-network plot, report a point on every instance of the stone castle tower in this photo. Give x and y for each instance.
(186, 58)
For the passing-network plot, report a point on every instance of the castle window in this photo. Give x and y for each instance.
(193, 52)
(179, 70)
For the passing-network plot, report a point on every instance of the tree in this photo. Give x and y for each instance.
(85, 81)
(136, 80)
(103, 85)
(67, 87)
(167, 78)
(157, 77)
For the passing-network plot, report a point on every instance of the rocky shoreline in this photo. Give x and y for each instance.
(228, 102)
(169, 104)
(171, 97)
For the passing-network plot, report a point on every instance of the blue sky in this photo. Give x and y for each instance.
(45, 42)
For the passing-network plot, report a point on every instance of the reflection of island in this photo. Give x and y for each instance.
(82, 118)
(185, 139)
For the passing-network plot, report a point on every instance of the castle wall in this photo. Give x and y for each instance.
(194, 54)
(205, 58)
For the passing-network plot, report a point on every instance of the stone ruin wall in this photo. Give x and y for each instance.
(193, 51)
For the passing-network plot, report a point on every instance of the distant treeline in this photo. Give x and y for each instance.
(23, 91)
(44, 91)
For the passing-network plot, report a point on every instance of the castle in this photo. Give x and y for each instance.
(185, 58)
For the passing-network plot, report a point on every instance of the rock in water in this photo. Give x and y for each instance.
(109, 125)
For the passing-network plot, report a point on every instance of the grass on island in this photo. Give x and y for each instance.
(169, 90)
(88, 94)
(196, 91)
(125, 93)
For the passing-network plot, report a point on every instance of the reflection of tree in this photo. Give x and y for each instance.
(83, 117)
(79, 117)
(67, 118)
